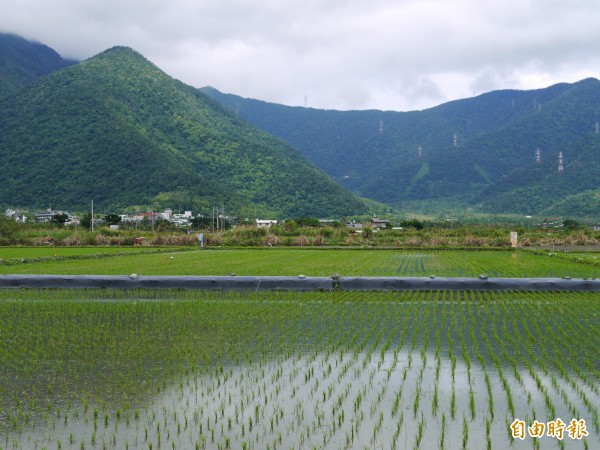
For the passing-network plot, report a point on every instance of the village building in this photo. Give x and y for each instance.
(260, 223)
(379, 223)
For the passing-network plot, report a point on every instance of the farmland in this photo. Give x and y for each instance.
(174, 369)
(315, 262)
(182, 370)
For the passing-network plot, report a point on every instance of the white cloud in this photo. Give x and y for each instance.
(387, 54)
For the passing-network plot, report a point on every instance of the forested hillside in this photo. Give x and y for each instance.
(117, 130)
(477, 152)
(22, 62)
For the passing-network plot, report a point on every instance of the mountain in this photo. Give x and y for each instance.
(117, 130)
(22, 62)
(477, 152)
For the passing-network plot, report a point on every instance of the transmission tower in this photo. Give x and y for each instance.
(455, 140)
(381, 126)
(538, 155)
(561, 167)
(420, 151)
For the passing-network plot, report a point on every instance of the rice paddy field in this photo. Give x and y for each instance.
(313, 262)
(164, 369)
(173, 369)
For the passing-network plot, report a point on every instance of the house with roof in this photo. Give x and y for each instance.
(261, 223)
(380, 223)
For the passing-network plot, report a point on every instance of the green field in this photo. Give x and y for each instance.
(340, 370)
(10, 253)
(345, 262)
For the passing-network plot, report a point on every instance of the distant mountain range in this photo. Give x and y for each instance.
(117, 130)
(475, 153)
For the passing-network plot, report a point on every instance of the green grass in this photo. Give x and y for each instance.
(291, 262)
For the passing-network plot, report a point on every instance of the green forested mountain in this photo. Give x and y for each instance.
(492, 166)
(117, 130)
(22, 62)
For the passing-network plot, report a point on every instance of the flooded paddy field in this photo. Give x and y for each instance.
(154, 369)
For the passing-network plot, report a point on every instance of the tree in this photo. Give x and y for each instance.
(60, 219)
(112, 219)
(290, 225)
(571, 225)
(86, 221)
(8, 229)
(200, 222)
(308, 222)
(414, 223)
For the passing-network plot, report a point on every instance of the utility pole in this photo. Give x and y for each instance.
(92, 215)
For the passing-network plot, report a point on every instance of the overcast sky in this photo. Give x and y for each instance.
(336, 54)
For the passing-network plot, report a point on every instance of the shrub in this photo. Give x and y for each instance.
(158, 239)
(352, 240)
(301, 241)
(180, 239)
(474, 241)
(271, 239)
(101, 239)
(414, 241)
(73, 240)
(341, 234)
(245, 233)
(318, 240)
(214, 239)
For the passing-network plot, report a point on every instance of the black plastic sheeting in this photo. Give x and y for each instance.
(299, 283)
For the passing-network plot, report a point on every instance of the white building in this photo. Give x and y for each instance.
(265, 223)
(166, 214)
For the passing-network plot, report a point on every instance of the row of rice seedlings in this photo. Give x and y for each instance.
(533, 355)
(543, 364)
(569, 347)
(204, 401)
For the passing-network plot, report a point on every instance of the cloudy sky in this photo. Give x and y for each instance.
(337, 54)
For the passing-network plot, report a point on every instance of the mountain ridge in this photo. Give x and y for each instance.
(116, 115)
(117, 106)
(22, 62)
(375, 153)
